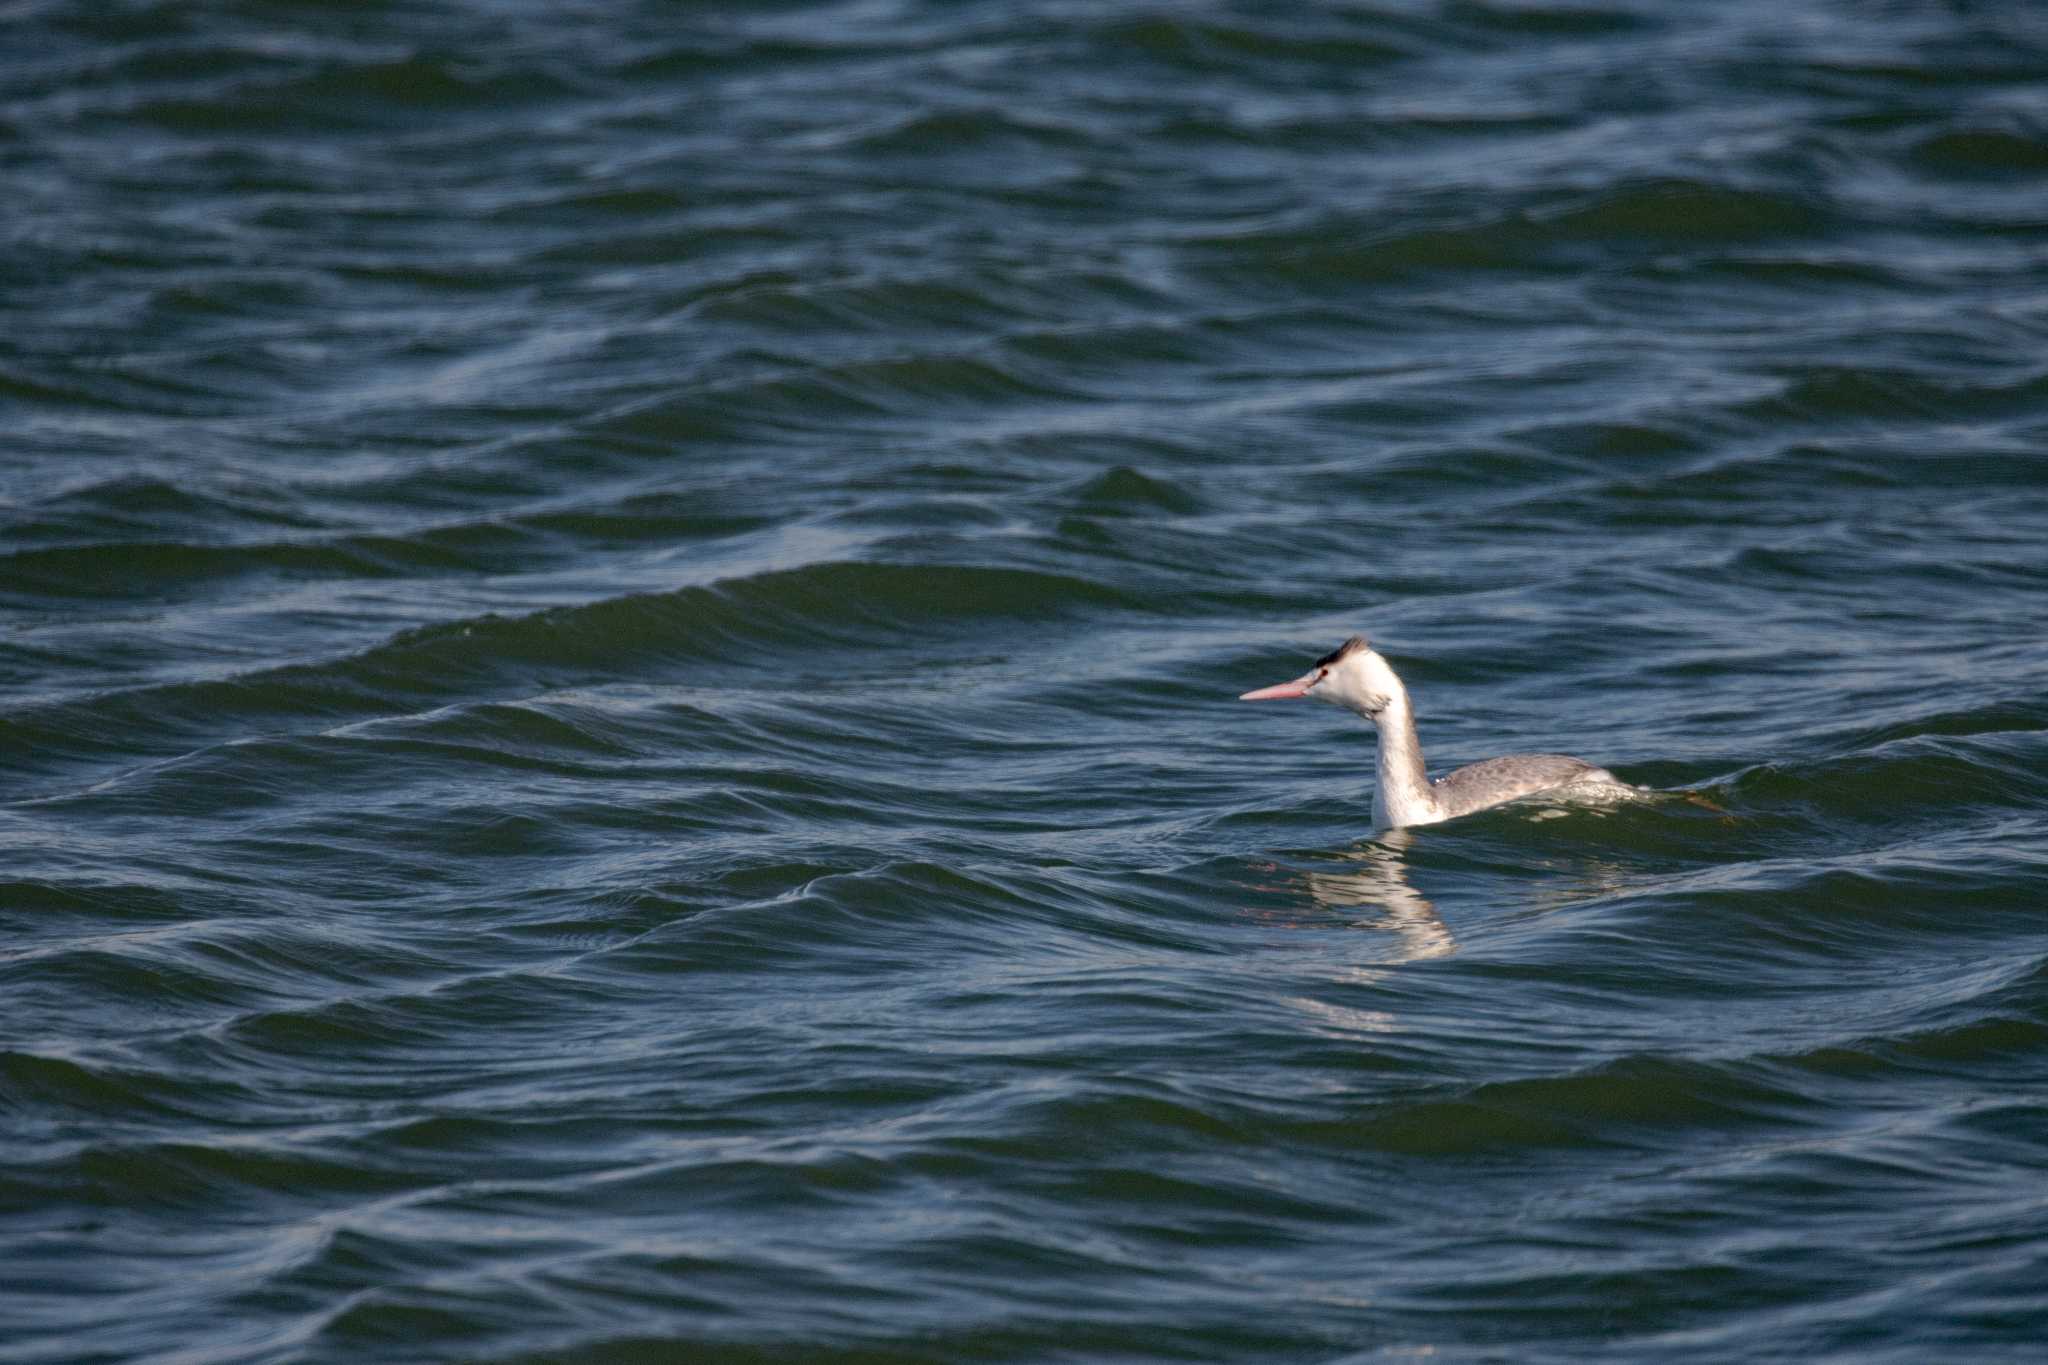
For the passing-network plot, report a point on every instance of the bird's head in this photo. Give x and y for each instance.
(1352, 676)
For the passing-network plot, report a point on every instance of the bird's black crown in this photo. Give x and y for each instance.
(1343, 651)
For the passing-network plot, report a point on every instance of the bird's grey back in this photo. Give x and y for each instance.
(1479, 785)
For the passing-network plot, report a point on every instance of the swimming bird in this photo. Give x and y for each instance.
(1354, 676)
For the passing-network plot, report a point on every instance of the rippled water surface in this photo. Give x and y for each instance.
(621, 630)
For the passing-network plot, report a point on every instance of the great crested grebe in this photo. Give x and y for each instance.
(1354, 676)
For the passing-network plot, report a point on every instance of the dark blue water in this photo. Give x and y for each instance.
(618, 639)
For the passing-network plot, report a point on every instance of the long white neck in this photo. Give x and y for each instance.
(1403, 796)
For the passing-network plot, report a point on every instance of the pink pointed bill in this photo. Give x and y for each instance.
(1298, 688)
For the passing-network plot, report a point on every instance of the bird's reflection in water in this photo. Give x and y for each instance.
(1403, 925)
(1375, 878)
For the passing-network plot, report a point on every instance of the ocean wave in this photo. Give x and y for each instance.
(1982, 152)
(740, 622)
(352, 95)
(1344, 43)
(103, 567)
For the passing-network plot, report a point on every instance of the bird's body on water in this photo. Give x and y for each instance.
(1357, 678)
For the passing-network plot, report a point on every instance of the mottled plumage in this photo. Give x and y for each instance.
(1492, 781)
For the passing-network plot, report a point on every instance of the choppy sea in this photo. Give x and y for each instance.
(619, 631)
